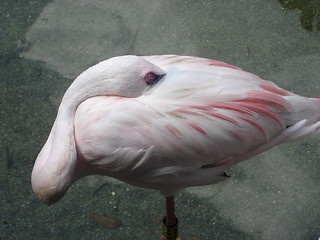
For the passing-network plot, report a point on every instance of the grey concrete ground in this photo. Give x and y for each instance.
(273, 196)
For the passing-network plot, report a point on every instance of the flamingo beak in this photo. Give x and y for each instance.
(49, 197)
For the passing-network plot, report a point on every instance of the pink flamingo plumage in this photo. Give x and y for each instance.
(166, 123)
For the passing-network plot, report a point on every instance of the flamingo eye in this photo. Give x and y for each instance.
(152, 78)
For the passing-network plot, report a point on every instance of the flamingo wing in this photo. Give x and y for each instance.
(201, 118)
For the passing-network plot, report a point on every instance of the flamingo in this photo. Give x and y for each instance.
(166, 122)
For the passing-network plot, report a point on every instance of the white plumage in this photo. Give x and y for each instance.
(185, 130)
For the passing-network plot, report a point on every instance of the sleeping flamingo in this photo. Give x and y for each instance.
(166, 123)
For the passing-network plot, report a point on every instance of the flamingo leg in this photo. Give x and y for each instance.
(170, 211)
(170, 222)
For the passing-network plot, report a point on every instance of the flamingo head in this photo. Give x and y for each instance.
(125, 76)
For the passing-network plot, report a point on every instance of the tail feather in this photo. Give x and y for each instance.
(302, 108)
(295, 132)
(303, 119)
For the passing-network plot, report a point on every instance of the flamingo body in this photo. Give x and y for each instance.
(185, 130)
